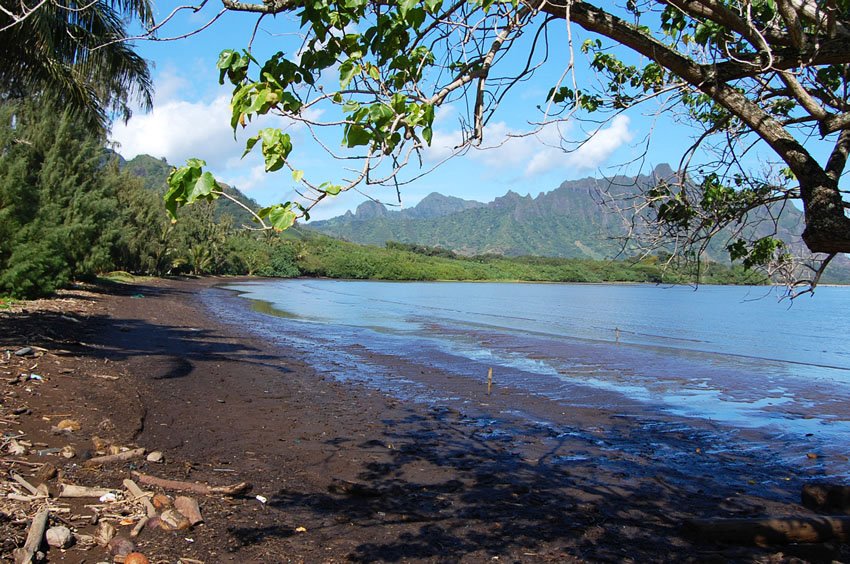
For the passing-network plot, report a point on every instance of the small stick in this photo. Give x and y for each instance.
(489, 381)
(120, 457)
(202, 489)
(19, 497)
(35, 535)
(139, 526)
(139, 495)
(31, 488)
(22, 462)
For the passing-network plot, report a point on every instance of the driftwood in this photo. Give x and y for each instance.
(139, 526)
(826, 497)
(770, 531)
(139, 495)
(110, 458)
(27, 498)
(194, 487)
(29, 487)
(189, 508)
(71, 490)
(35, 536)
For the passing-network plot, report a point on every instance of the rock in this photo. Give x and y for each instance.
(155, 456)
(189, 508)
(59, 537)
(68, 425)
(161, 501)
(68, 451)
(119, 546)
(16, 448)
(25, 351)
(46, 473)
(173, 520)
(104, 534)
(136, 558)
(99, 444)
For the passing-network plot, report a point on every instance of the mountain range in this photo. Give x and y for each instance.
(570, 221)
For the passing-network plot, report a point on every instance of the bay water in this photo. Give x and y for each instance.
(735, 358)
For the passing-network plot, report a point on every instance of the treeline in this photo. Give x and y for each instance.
(323, 256)
(68, 211)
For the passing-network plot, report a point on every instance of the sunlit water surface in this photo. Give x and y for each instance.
(736, 356)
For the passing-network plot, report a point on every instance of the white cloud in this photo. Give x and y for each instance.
(538, 153)
(178, 129)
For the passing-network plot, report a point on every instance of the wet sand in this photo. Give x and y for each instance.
(351, 474)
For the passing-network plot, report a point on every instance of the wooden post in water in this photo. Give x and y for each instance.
(489, 381)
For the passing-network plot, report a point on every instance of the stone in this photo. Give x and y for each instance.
(59, 537)
(173, 520)
(155, 456)
(68, 425)
(119, 546)
(15, 448)
(161, 501)
(105, 533)
(68, 451)
(136, 558)
(46, 473)
(25, 351)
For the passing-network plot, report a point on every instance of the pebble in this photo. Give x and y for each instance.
(104, 534)
(119, 546)
(136, 558)
(26, 351)
(68, 451)
(59, 537)
(155, 456)
(173, 520)
(68, 425)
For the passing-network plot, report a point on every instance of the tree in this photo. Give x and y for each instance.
(745, 72)
(76, 54)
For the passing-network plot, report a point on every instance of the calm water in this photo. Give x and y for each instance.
(734, 356)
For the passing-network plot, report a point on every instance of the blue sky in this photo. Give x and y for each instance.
(191, 119)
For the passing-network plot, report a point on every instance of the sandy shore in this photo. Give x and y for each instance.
(350, 474)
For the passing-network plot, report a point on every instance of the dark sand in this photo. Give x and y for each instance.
(350, 474)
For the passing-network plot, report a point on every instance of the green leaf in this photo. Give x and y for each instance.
(202, 188)
(330, 189)
(357, 135)
(347, 70)
(297, 175)
(281, 217)
(427, 134)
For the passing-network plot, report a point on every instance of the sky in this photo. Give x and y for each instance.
(191, 118)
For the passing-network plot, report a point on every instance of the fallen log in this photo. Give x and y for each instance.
(826, 497)
(194, 487)
(110, 458)
(139, 495)
(35, 536)
(782, 530)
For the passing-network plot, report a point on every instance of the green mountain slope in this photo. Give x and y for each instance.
(567, 222)
(153, 172)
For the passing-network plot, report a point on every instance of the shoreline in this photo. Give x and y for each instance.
(367, 476)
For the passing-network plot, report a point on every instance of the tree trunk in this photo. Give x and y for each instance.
(827, 227)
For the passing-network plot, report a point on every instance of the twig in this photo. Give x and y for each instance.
(139, 495)
(120, 457)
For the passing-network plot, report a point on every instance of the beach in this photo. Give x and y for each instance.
(342, 472)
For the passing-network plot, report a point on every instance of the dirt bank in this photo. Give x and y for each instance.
(347, 474)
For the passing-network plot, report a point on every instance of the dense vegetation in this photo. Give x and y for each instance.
(70, 210)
